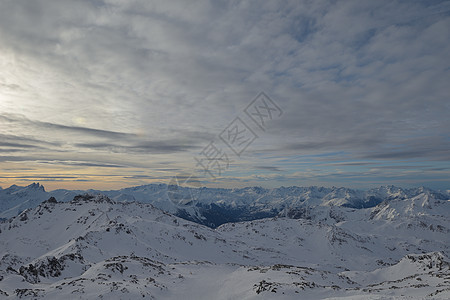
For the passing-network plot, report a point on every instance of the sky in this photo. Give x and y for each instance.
(110, 94)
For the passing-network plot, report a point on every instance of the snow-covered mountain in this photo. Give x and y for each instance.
(15, 199)
(213, 207)
(94, 246)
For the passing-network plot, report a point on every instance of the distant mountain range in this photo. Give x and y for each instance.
(213, 207)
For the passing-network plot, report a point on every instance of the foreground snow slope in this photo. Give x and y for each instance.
(94, 247)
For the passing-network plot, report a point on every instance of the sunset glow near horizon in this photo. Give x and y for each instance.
(112, 94)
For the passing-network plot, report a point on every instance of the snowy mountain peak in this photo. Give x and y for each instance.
(99, 198)
(35, 187)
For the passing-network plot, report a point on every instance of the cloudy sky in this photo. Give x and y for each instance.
(107, 93)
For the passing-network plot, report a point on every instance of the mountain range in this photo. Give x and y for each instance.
(215, 206)
(297, 243)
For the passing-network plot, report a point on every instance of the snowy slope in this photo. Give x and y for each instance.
(95, 247)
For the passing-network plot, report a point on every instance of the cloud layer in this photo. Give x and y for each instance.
(136, 89)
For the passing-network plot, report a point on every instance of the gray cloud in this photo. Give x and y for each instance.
(269, 168)
(147, 177)
(351, 163)
(15, 145)
(83, 164)
(397, 167)
(151, 147)
(25, 122)
(40, 177)
(11, 150)
(364, 78)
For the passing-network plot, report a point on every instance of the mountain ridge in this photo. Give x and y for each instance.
(93, 246)
(213, 207)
